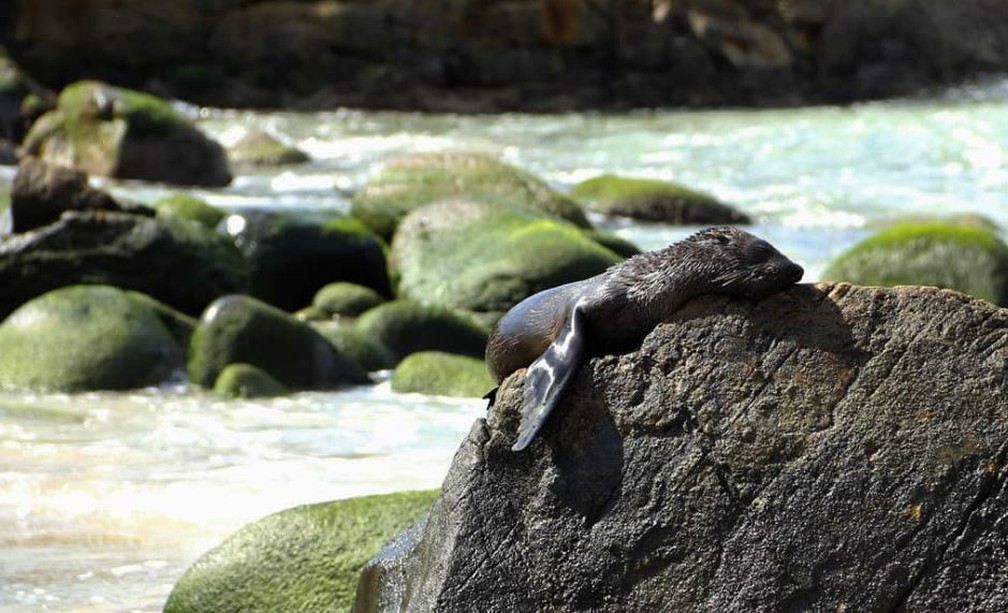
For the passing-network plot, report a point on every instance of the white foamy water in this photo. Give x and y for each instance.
(106, 498)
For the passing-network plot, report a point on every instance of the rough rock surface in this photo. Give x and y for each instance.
(833, 447)
(41, 192)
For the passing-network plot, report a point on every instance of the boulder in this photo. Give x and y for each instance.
(305, 559)
(83, 338)
(483, 259)
(653, 200)
(954, 255)
(346, 299)
(406, 327)
(41, 192)
(259, 148)
(292, 258)
(413, 180)
(247, 381)
(357, 345)
(443, 374)
(241, 329)
(175, 261)
(127, 134)
(189, 207)
(830, 447)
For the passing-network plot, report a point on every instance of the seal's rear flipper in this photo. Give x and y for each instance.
(491, 397)
(548, 376)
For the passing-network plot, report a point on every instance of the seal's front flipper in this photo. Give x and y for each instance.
(548, 377)
(491, 397)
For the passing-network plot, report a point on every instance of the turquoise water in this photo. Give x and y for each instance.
(105, 499)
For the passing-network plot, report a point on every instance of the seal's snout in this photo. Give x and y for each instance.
(796, 272)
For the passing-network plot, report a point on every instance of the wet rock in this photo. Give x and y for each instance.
(177, 262)
(964, 257)
(241, 329)
(247, 381)
(366, 351)
(406, 327)
(84, 338)
(178, 324)
(117, 132)
(42, 191)
(259, 148)
(189, 207)
(652, 200)
(443, 374)
(291, 258)
(347, 299)
(306, 558)
(483, 259)
(831, 445)
(413, 180)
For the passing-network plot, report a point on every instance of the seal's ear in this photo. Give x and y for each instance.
(550, 374)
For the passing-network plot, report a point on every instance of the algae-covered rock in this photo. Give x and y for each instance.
(613, 242)
(175, 261)
(484, 259)
(306, 559)
(445, 374)
(42, 192)
(259, 148)
(357, 345)
(241, 329)
(118, 132)
(347, 299)
(653, 200)
(413, 180)
(406, 327)
(178, 324)
(311, 313)
(247, 381)
(87, 337)
(970, 259)
(185, 206)
(291, 258)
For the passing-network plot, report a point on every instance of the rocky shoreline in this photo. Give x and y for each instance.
(518, 55)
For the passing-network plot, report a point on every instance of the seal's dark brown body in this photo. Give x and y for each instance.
(554, 331)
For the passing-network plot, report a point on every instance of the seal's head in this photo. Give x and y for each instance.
(746, 265)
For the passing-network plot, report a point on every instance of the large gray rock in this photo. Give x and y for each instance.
(833, 447)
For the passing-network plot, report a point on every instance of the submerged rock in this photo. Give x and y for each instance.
(175, 261)
(965, 257)
(831, 446)
(406, 327)
(414, 180)
(117, 132)
(483, 259)
(247, 381)
(304, 559)
(241, 329)
(259, 148)
(189, 207)
(444, 374)
(83, 338)
(652, 200)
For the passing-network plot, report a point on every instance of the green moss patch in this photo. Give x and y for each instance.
(247, 381)
(189, 207)
(357, 345)
(406, 327)
(653, 200)
(434, 372)
(305, 559)
(973, 260)
(347, 299)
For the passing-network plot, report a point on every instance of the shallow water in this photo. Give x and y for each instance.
(106, 498)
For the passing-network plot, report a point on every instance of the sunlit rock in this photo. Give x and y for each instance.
(653, 200)
(406, 327)
(443, 374)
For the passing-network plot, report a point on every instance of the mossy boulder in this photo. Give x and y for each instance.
(653, 200)
(444, 374)
(347, 299)
(247, 381)
(291, 258)
(241, 329)
(970, 259)
(406, 327)
(366, 351)
(413, 180)
(185, 206)
(123, 133)
(306, 559)
(86, 337)
(178, 262)
(483, 259)
(42, 192)
(259, 148)
(178, 324)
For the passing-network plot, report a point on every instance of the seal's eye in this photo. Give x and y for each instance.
(759, 251)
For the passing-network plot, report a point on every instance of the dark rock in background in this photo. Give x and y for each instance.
(832, 447)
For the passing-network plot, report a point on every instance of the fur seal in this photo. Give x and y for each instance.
(554, 331)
